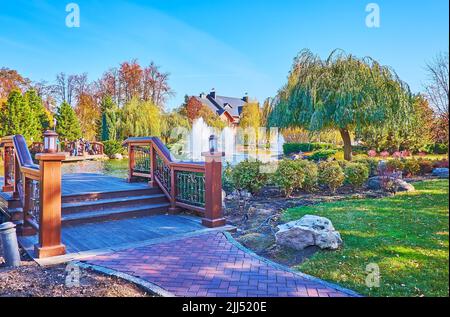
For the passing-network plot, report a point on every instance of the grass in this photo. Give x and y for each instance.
(407, 236)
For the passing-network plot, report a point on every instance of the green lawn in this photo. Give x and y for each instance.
(406, 235)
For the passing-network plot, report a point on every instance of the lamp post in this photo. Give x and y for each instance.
(50, 198)
(50, 141)
(213, 186)
(212, 144)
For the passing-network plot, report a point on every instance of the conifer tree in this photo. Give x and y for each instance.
(67, 126)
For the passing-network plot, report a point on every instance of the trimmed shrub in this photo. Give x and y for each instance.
(440, 164)
(441, 148)
(411, 167)
(331, 175)
(311, 174)
(322, 155)
(395, 165)
(112, 147)
(290, 148)
(371, 163)
(247, 176)
(293, 175)
(356, 174)
(426, 166)
(289, 176)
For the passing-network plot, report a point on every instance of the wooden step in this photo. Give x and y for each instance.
(108, 203)
(115, 213)
(110, 194)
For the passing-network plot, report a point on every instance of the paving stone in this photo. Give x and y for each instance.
(210, 265)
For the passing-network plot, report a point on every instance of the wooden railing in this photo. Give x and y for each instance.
(195, 186)
(95, 148)
(39, 189)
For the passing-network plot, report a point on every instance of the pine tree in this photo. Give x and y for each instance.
(16, 116)
(40, 119)
(109, 119)
(67, 124)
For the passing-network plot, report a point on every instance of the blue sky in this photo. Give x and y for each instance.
(235, 46)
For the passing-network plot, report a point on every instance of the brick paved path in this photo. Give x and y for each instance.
(211, 265)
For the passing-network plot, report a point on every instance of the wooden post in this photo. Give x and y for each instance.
(131, 162)
(152, 166)
(173, 207)
(213, 190)
(8, 158)
(50, 206)
(25, 229)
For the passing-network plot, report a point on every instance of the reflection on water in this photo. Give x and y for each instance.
(117, 168)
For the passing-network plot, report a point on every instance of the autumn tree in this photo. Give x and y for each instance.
(437, 92)
(192, 109)
(342, 92)
(11, 80)
(89, 115)
(132, 80)
(172, 123)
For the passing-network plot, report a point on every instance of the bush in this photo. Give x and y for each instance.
(441, 148)
(311, 174)
(356, 174)
(289, 176)
(411, 167)
(293, 175)
(371, 163)
(322, 155)
(247, 176)
(227, 181)
(426, 166)
(331, 175)
(440, 164)
(112, 147)
(395, 165)
(290, 148)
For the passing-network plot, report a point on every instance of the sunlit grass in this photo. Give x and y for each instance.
(406, 235)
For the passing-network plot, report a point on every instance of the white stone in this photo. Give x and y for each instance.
(308, 231)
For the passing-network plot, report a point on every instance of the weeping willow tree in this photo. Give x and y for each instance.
(342, 92)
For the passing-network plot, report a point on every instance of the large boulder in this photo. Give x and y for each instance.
(375, 183)
(440, 172)
(309, 231)
(117, 156)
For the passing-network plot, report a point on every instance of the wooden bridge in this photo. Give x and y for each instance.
(70, 213)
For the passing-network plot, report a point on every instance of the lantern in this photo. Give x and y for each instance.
(50, 141)
(213, 144)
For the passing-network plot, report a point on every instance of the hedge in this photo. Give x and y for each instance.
(290, 148)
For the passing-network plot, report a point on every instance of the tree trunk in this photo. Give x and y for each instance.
(347, 144)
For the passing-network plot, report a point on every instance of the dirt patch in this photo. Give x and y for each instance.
(257, 219)
(32, 280)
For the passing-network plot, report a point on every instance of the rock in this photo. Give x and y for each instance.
(309, 231)
(440, 172)
(117, 156)
(374, 183)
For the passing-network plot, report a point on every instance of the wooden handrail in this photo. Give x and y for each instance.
(187, 185)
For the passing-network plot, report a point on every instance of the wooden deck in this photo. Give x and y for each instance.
(101, 213)
(85, 183)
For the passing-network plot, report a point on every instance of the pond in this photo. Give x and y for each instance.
(117, 168)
